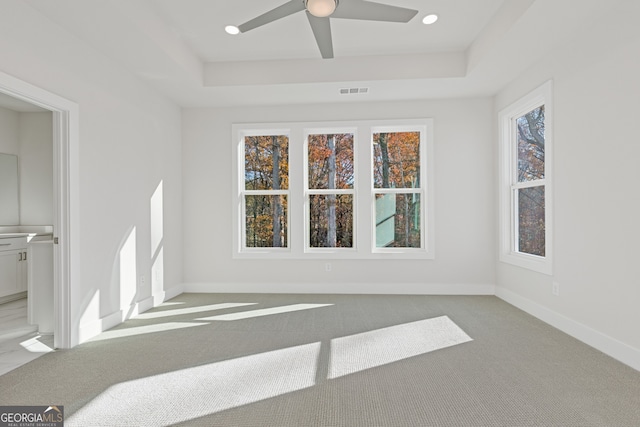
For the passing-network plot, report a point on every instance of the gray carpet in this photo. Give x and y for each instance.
(331, 360)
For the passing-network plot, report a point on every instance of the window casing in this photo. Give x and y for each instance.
(329, 207)
(265, 190)
(398, 188)
(525, 181)
(330, 184)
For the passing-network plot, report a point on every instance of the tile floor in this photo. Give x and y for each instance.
(20, 342)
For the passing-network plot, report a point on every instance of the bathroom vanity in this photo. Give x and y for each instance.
(21, 260)
(26, 251)
(26, 270)
(13, 265)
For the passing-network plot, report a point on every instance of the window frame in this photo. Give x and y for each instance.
(308, 192)
(363, 190)
(424, 218)
(243, 192)
(509, 185)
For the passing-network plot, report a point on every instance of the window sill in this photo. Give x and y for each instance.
(333, 254)
(530, 262)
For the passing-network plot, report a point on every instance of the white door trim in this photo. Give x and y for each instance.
(65, 182)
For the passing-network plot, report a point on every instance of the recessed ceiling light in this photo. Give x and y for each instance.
(430, 19)
(232, 29)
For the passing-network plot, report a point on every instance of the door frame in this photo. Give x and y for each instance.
(65, 200)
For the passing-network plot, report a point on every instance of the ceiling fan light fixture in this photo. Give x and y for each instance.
(321, 8)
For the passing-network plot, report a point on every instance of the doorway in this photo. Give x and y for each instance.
(65, 149)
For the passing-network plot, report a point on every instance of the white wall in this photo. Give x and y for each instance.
(9, 141)
(464, 196)
(129, 143)
(8, 145)
(30, 137)
(597, 202)
(36, 168)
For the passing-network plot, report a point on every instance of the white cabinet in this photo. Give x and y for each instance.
(13, 266)
(22, 271)
(8, 273)
(41, 285)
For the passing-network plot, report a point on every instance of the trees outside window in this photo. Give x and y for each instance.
(342, 189)
(330, 189)
(266, 183)
(396, 178)
(530, 184)
(525, 141)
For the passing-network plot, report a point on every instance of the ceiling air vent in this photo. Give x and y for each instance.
(354, 90)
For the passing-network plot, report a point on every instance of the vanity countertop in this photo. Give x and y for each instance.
(10, 235)
(30, 232)
(30, 236)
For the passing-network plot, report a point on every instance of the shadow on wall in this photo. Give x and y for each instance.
(129, 275)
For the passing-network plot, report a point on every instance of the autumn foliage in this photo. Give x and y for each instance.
(396, 164)
(330, 167)
(266, 169)
(331, 189)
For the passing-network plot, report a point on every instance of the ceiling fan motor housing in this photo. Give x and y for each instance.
(321, 8)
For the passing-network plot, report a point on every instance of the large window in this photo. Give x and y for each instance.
(525, 140)
(330, 190)
(265, 190)
(397, 184)
(321, 190)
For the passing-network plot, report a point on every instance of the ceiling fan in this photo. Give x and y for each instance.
(320, 11)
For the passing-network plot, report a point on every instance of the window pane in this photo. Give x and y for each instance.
(396, 160)
(266, 162)
(398, 220)
(531, 145)
(266, 221)
(331, 161)
(531, 225)
(331, 221)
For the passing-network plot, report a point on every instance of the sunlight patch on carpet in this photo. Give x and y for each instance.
(264, 312)
(371, 349)
(186, 394)
(191, 310)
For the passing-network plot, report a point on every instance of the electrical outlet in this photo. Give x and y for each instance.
(327, 266)
(555, 288)
(141, 281)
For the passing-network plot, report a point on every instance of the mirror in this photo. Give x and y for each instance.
(9, 212)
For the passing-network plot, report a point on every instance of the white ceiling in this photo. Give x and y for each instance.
(200, 23)
(181, 49)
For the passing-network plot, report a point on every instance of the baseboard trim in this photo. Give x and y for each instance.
(145, 304)
(341, 288)
(91, 329)
(172, 292)
(610, 346)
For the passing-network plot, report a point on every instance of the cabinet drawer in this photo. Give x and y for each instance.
(13, 244)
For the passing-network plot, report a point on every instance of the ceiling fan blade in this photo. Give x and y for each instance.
(369, 11)
(322, 31)
(286, 9)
